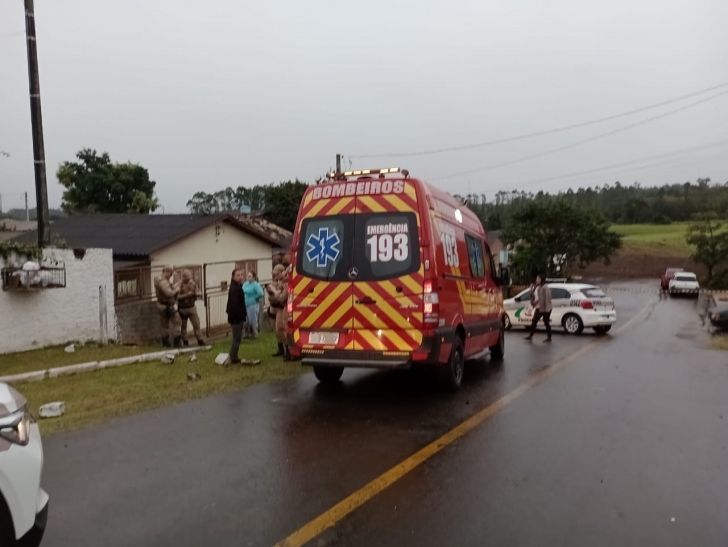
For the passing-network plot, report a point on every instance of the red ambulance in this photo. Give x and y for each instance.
(390, 272)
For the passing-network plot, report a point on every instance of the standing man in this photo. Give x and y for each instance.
(236, 313)
(278, 294)
(186, 303)
(541, 300)
(166, 300)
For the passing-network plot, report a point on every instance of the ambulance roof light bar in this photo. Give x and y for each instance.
(364, 172)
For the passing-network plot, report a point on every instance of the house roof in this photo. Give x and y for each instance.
(18, 225)
(282, 236)
(135, 235)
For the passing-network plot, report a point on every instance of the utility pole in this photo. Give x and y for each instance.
(338, 164)
(27, 212)
(36, 120)
(1, 203)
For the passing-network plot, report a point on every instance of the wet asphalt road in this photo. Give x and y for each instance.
(628, 436)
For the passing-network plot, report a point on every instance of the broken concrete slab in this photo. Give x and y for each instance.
(52, 410)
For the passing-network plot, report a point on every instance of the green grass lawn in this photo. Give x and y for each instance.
(97, 396)
(654, 239)
(54, 356)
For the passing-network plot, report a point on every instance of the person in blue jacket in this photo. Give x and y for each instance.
(253, 297)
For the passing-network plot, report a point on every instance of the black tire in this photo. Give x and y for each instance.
(603, 329)
(507, 322)
(572, 324)
(498, 351)
(7, 530)
(328, 375)
(455, 369)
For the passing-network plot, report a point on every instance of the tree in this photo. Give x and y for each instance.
(278, 203)
(96, 185)
(551, 235)
(710, 239)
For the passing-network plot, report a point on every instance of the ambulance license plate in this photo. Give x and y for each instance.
(325, 338)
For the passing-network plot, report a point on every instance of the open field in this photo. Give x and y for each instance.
(654, 240)
(97, 396)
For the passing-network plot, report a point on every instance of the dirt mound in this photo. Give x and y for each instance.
(634, 266)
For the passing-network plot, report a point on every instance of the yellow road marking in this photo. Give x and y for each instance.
(329, 518)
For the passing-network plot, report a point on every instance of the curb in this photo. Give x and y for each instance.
(69, 370)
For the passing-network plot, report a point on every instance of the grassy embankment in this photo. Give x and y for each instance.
(97, 396)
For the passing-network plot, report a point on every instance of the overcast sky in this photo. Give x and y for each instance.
(214, 94)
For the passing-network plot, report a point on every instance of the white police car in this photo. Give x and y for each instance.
(23, 503)
(576, 306)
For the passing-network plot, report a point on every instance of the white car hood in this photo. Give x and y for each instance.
(10, 400)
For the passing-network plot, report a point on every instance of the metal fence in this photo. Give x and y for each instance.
(216, 283)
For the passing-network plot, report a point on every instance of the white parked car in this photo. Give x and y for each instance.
(576, 306)
(684, 283)
(23, 503)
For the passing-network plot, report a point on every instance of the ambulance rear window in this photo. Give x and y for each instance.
(390, 245)
(323, 247)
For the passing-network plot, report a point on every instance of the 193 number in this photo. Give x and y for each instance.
(385, 247)
(450, 248)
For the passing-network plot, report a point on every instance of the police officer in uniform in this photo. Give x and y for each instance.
(166, 300)
(186, 299)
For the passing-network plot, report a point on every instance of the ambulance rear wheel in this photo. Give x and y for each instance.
(455, 370)
(328, 375)
(498, 351)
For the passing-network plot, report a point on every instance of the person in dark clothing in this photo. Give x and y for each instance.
(236, 312)
(541, 302)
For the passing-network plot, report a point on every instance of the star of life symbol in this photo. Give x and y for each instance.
(476, 251)
(323, 248)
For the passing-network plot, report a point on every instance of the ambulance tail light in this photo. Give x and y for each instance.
(428, 287)
(289, 307)
(431, 308)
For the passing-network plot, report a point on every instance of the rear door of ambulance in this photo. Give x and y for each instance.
(321, 290)
(388, 288)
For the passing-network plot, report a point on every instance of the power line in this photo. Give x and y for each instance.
(541, 133)
(583, 141)
(714, 144)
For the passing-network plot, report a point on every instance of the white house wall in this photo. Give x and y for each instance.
(47, 317)
(217, 243)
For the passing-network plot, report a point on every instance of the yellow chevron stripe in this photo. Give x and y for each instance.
(372, 204)
(386, 308)
(343, 202)
(411, 284)
(374, 342)
(399, 343)
(373, 318)
(397, 202)
(338, 314)
(316, 208)
(327, 302)
(350, 345)
(409, 189)
(308, 199)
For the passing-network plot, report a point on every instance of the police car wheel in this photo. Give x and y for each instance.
(507, 322)
(328, 375)
(603, 329)
(455, 369)
(572, 324)
(7, 532)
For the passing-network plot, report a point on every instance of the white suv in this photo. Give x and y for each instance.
(23, 503)
(575, 306)
(684, 283)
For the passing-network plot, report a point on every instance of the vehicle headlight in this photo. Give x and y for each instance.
(16, 427)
